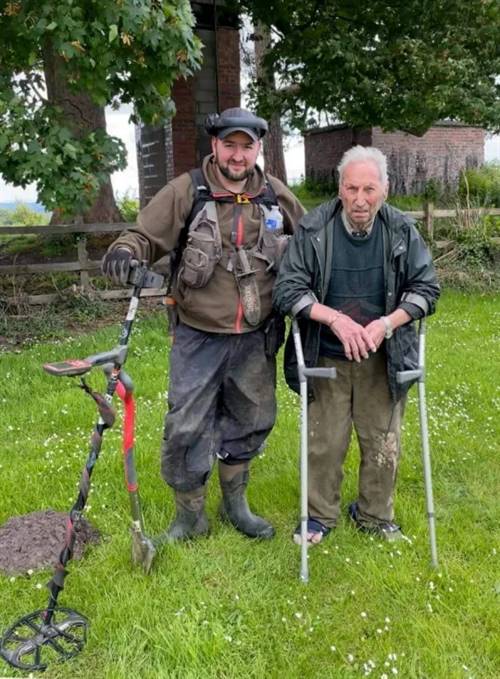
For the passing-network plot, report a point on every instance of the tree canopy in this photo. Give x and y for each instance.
(394, 64)
(61, 62)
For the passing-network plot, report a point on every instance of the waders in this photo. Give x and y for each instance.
(304, 373)
(419, 375)
(56, 633)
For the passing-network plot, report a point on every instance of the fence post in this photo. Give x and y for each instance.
(428, 219)
(83, 260)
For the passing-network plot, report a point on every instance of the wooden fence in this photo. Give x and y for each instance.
(85, 267)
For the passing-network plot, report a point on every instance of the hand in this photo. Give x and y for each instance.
(116, 265)
(357, 342)
(376, 330)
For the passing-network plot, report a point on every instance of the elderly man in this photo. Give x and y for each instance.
(227, 223)
(356, 274)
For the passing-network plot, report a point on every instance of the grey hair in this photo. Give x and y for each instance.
(360, 154)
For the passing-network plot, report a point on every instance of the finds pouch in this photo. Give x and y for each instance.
(247, 287)
(203, 249)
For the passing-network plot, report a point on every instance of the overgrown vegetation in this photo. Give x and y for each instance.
(226, 607)
(481, 186)
(128, 206)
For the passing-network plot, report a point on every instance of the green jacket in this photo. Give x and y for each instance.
(410, 283)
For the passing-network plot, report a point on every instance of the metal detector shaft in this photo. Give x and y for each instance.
(56, 631)
(419, 375)
(304, 373)
(105, 421)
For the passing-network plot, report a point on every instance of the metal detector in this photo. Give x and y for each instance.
(56, 633)
(304, 373)
(402, 377)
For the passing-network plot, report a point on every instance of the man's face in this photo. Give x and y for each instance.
(362, 192)
(235, 155)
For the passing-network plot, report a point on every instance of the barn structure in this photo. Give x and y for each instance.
(439, 155)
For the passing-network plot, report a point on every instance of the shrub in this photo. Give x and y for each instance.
(482, 185)
(129, 207)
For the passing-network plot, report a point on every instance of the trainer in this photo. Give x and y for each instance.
(225, 225)
(357, 275)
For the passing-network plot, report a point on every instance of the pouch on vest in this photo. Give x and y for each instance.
(203, 249)
(247, 287)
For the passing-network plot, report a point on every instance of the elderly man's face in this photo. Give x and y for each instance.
(362, 192)
(236, 155)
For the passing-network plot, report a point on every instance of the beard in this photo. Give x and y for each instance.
(244, 173)
(234, 176)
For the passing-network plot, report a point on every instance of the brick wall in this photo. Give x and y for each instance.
(440, 154)
(164, 153)
(324, 147)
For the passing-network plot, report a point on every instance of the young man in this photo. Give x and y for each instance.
(227, 223)
(356, 274)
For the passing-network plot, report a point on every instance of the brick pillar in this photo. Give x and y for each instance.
(228, 67)
(184, 126)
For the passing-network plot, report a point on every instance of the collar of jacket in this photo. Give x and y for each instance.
(316, 223)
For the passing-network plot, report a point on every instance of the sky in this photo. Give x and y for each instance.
(126, 181)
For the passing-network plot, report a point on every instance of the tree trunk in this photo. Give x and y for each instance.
(274, 156)
(82, 116)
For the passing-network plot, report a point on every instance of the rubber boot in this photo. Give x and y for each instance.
(190, 518)
(234, 508)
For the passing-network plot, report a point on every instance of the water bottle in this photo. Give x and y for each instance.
(274, 220)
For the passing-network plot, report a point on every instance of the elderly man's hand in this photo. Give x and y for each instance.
(376, 330)
(357, 342)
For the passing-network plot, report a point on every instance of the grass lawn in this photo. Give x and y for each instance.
(227, 607)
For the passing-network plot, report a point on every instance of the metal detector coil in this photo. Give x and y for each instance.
(31, 643)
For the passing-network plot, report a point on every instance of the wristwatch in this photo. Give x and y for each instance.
(389, 330)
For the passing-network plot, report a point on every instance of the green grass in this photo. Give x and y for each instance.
(227, 607)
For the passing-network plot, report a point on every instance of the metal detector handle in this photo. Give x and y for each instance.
(142, 277)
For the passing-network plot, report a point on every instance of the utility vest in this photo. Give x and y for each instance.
(202, 250)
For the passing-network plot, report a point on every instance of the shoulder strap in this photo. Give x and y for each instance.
(201, 191)
(269, 196)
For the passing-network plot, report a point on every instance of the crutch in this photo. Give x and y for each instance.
(304, 373)
(402, 377)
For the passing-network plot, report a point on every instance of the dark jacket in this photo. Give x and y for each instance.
(410, 282)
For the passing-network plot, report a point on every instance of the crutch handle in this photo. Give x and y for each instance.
(327, 373)
(403, 376)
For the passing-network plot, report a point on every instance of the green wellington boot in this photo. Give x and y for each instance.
(234, 507)
(190, 518)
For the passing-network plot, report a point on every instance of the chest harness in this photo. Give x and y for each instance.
(201, 247)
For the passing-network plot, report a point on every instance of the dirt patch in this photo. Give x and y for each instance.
(34, 541)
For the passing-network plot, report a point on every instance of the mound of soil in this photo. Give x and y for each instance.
(34, 541)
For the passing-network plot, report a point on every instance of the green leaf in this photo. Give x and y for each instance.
(113, 32)
(70, 150)
(51, 26)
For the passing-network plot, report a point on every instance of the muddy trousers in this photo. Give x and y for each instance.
(359, 397)
(221, 399)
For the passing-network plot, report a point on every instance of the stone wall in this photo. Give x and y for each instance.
(439, 155)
